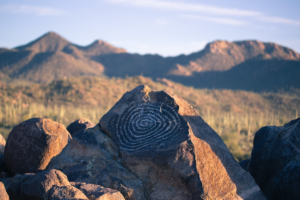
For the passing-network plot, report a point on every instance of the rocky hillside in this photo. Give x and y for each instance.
(221, 64)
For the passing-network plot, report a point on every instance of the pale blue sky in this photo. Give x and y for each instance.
(165, 27)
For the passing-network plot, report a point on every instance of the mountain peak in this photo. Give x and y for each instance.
(48, 42)
(99, 47)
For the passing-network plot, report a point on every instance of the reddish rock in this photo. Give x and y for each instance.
(97, 192)
(166, 143)
(32, 144)
(13, 185)
(79, 125)
(2, 144)
(66, 193)
(38, 187)
(3, 194)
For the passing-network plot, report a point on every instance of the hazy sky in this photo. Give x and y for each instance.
(166, 27)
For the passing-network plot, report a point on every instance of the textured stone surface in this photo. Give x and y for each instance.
(3, 194)
(2, 144)
(275, 161)
(66, 193)
(97, 192)
(38, 187)
(32, 144)
(79, 125)
(165, 142)
(92, 157)
(13, 185)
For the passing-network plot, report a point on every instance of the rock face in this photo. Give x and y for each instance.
(275, 161)
(66, 193)
(38, 187)
(80, 124)
(165, 142)
(97, 192)
(92, 157)
(3, 194)
(32, 144)
(13, 185)
(2, 144)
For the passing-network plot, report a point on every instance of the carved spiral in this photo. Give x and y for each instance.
(143, 125)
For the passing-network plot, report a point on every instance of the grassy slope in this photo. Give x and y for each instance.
(235, 115)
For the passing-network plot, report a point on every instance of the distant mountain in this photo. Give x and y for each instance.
(249, 65)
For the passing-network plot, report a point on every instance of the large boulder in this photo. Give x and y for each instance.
(3, 194)
(275, 161)
(80, 125)
(2, 144)
(92, 157)
(166, 143)
(38, 187)
(32, 144)
(97, 192)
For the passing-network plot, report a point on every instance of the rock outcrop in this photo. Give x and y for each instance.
(176, 155)
(92, 157)
(79, 125)
(275, 161)
(32, 144)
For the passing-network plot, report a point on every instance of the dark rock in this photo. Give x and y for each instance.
(32, 144)
(97, 192)
(2, 144)
(92, 157)
(66, 193)
(80, 124)
(245, 164)
(275, 161)
(3, 194)
(13, 185)
(38, 187)
(166, 143)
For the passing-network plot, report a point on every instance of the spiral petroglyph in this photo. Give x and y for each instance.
(146, 124)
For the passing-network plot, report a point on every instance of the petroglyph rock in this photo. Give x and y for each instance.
(80, 124)
(92, 157)
(275, 161)
(32, 144)
(165, 142)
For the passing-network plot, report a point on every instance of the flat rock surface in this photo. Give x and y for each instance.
(97, 192)
(66, 193)
(80, 124)
(275, 161)
(166, 143)
(32, 144)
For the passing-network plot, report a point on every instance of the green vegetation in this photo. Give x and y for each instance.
(234, 115)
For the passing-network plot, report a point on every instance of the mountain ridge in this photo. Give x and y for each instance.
(51, 57)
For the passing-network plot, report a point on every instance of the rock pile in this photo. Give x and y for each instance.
(150, 145)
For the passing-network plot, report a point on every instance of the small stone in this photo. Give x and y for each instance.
(66, 193)
(80, 124)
